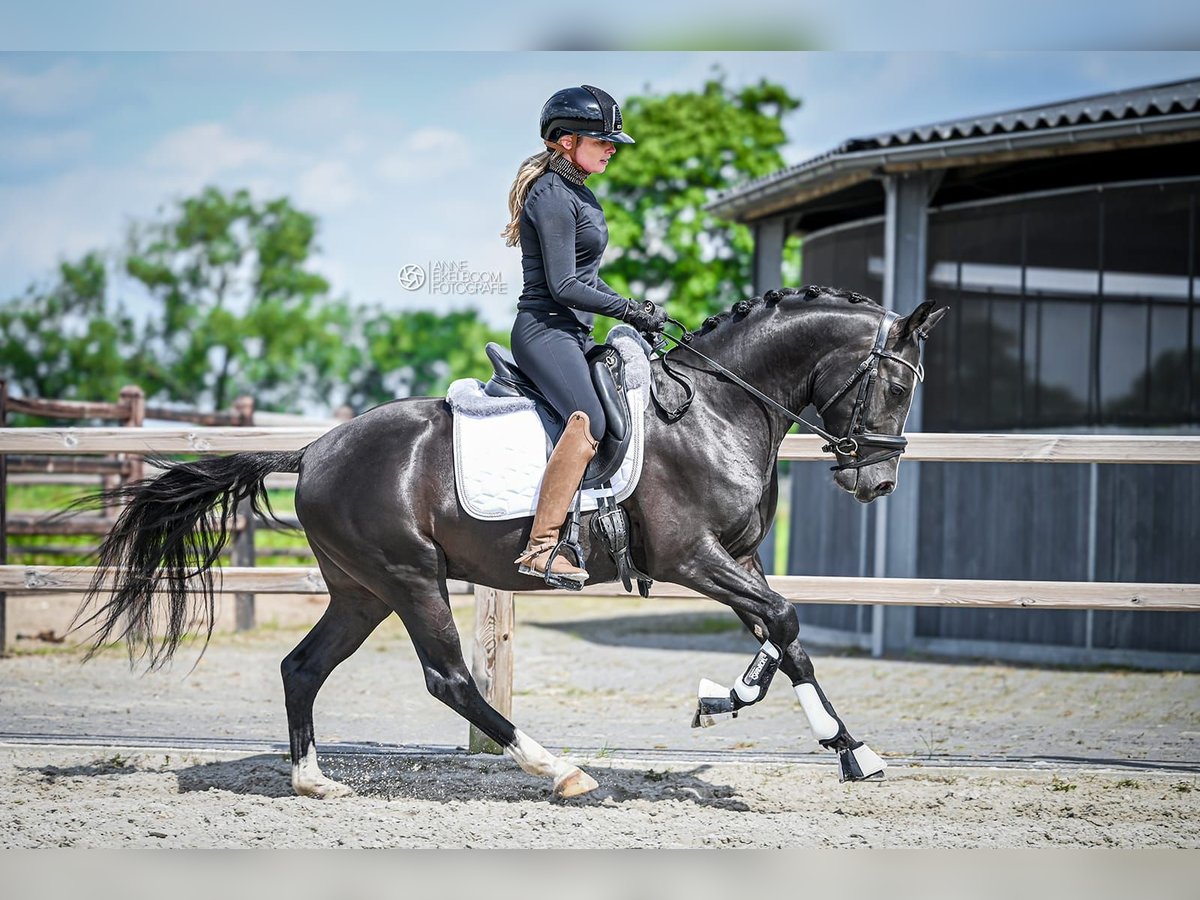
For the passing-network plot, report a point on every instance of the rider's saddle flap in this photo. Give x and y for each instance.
(607, 369)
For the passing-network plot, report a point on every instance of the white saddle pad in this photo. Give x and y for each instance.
(501, 448)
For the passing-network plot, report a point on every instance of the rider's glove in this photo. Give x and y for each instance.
(646, 317)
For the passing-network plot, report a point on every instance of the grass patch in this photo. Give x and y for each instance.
(41, 497)
(24, 499)
(1059, 784)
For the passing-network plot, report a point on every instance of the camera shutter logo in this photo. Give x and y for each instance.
(411, 277)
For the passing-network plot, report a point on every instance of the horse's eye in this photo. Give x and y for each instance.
(895, 390)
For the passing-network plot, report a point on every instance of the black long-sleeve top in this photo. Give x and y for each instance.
(563, 236)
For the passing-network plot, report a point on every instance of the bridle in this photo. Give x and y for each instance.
(857, 437)
(856, 440)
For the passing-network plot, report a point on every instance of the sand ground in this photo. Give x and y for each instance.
(979, 754)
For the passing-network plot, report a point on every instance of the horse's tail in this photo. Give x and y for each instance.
(163, 546)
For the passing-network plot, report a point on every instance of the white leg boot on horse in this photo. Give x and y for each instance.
(856, 761)
(561, 480)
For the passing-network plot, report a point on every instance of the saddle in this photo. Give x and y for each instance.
(610, 525)
(607, 369)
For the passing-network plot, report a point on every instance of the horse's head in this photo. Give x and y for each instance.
(864, 391)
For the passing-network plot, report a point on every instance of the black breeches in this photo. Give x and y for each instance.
(550, 350)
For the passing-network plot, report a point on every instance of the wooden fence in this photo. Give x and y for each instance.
(86, 467)
(494, 609)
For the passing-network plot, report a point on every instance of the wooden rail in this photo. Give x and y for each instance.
(231, 579)
(798, 588)
(922, 446)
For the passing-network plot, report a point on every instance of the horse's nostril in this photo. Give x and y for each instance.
(885, 487)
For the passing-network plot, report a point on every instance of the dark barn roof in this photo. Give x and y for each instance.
(1136, 117)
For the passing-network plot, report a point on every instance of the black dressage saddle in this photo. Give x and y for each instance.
(608, 377)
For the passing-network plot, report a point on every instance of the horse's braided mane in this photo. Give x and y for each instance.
(770, 298)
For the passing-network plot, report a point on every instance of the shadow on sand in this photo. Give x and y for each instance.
(441, 778)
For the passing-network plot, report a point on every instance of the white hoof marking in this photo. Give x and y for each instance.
(308, 781)
(569, 780)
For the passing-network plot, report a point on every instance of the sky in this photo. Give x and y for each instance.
(406, 157)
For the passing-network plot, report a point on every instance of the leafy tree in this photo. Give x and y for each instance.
(62, 341)
(690, 147)
(240, 312)
(418, 353)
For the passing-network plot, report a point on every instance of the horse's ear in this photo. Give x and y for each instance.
(921, 321)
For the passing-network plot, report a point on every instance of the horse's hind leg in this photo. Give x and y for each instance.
(353, 613)
(424, 606)
(856, 760)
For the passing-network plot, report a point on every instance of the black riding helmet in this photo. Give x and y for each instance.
(585, 110)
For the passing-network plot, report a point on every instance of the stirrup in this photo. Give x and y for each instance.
(569, 541)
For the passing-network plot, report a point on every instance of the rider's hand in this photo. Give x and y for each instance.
(646, 317)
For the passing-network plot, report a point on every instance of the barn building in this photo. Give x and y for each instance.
(1066, 239)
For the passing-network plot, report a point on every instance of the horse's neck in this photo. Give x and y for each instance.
(779, 356)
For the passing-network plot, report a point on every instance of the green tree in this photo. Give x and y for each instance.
(239, 311)
(62, 341)
(418, 353)
(690, 147)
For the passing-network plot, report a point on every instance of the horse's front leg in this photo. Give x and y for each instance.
(711, 571)
(856, 761)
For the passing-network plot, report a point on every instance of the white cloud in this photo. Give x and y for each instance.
(316, 115)
(426, 153)
(206, 149)
(33, 150)
(328, 185)
(63, 88)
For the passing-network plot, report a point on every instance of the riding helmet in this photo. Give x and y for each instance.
(585, 110)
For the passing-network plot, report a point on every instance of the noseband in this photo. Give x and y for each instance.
(856, 439)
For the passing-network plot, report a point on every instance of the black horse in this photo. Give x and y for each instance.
(376, 497)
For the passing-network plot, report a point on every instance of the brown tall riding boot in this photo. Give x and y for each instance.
(564, 472)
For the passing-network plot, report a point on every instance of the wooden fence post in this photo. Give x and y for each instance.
(492, 666)
(134, 398)
(243, 544)
(3, 517)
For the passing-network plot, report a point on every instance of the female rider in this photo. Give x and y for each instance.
(560, 228)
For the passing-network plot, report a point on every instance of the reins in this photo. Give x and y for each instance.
(845, 446)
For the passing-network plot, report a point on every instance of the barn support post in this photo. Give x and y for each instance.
(492, 660)
(243, 544)
(3, 517)
(769, 236)
(905, 238)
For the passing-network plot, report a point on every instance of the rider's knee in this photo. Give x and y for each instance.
(596, 421)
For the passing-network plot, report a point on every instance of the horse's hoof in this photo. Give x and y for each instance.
(322, 789)
(574, 783)
(860, 763)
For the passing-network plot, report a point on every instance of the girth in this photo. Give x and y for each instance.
(607, 369)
